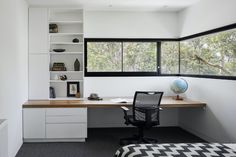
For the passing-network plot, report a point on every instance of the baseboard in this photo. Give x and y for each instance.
(130, 126)
(199, 134)
(55, 140)
(120, 125)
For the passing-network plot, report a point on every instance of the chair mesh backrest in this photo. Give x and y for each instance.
(146, 100)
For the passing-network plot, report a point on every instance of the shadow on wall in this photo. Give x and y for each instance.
(197, 121)
(216, 122)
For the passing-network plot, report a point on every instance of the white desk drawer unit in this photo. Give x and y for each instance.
(66, 111)
(61, 124)
(71, 130)
(69, 115)
(66, 119)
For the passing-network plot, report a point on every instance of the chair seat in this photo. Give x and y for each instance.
(137, 123)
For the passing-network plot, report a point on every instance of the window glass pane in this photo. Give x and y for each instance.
(104, 57)
(213, 54)
(140, 56)
(170, 57)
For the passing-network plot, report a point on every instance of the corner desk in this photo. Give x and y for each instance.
(66, 120)
(166, 102)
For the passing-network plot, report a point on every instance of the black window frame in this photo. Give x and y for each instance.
(209, 32)
(158, 40)
(126, 74)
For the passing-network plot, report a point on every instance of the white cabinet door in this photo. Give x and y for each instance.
(34, 123)
(38, 76)
(38, 30)
(66, 130)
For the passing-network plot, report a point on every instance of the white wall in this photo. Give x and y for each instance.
(130, 25)
(217, 122)
(127, 25)
(13, 67)
(206, 15)
(125, 86)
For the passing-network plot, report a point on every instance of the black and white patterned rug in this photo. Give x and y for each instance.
(176, 150)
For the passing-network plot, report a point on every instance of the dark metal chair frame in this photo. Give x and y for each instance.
(145, 123)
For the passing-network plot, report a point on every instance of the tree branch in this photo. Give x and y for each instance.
(211, 64)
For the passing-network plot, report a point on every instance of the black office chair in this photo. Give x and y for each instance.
(146, 107)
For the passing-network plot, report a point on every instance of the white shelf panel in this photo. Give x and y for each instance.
(66, 22)
(64, 34)
(60, 81)
(66, 53)
(66, 71)
(66, 43)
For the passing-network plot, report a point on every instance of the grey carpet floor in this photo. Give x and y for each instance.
(103, 142)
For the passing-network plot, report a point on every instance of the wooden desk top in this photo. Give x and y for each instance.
(166, 102)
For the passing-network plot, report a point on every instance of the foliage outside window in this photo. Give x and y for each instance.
(140, 56)
(213, 54)
(104, 57)
(121, 56)
(170, 57)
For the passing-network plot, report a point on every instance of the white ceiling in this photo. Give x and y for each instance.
(118, 5)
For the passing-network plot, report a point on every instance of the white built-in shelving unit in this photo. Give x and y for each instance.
(70, 26)
(70, 123)
(41, 54)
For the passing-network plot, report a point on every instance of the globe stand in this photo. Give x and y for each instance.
(178, 98)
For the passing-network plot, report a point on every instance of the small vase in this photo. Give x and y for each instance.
(77, 65)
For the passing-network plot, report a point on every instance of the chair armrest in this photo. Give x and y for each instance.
(125, 108)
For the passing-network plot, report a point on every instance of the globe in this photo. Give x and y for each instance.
(179, 86)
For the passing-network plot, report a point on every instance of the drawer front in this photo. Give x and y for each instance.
(66, 119)
(66, 111)
(66, 130)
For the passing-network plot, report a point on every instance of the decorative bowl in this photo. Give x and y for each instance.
(59, 50)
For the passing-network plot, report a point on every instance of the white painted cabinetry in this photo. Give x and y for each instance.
(55, 124)
(42, 55)
(38, 76)
(38, 30)
(38, 54)
(3, 138)
(69, 123)
(34, 123)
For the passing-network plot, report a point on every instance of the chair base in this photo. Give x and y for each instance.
(137, 140)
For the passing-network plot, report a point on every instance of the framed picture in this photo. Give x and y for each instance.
(72, 89)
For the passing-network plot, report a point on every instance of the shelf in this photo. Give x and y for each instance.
(66, 22)
(64, 34)
(66, 43)
(66, 71)
(60, 81)
(66, 53)
(70, 26)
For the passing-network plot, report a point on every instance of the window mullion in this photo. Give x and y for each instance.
(122, 56)
(158, 58)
